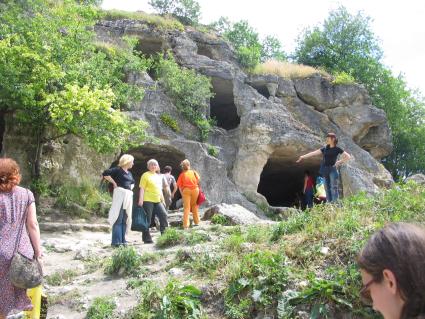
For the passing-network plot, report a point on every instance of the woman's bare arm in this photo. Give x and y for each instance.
(311, 154)
(34, 230)
(141, 194)
(345, 157)
(110, 180)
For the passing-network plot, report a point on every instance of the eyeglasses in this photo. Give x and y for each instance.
(365, 296)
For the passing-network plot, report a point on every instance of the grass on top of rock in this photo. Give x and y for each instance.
(288, 70)
(343, 78)
(174, 237)
(161, 22)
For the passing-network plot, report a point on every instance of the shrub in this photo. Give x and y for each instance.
(170, 122)
(175, 301)
(173, 237)
(255, 284)
(189, 90)
(213, 150)
(102, 308)
(343, 78)
(220, 220)
(248, 57)
(288, 70)
(124, 261)
(165, 22)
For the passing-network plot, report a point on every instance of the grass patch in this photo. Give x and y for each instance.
(102, 308)
(124, 261)
(288, 70)
(174, 237)
(218, 219)
(213, 150)
(61, 277)
(161, 22)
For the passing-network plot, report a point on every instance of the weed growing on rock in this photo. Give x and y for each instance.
(213, 150)
(102, 308)
(170, 122)
(220, 220)
(61, 277)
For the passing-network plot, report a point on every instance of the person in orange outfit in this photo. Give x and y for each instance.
(188, 184)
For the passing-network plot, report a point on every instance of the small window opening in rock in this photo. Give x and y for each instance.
(165, 155)
(263, 90)
(223, 108)
(2, 130)
(205, 50)
(149, 46)
(282, 180)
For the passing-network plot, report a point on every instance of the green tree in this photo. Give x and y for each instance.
(56, 81)
(272, 49)
(187, 11)
(345, 43)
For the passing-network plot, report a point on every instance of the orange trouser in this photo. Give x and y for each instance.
(190, 196)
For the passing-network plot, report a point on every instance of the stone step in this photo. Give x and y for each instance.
(61, 227)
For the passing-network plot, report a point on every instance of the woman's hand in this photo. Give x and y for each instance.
(299, 160)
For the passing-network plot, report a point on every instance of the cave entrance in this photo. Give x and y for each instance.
(150, 47)
(223, 108)
(164, 154)
(205, 50)
(282, 180)
(2, 130)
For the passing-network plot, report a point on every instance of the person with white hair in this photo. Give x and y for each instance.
(150, 195)
(122, 199)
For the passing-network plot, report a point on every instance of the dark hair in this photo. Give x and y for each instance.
(307, 172)
(167, 169)
(9, 174)
(400, 248)
(333, 136)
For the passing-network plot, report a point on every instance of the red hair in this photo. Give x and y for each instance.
(9, 174)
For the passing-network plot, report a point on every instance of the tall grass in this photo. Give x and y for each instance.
(288, 70)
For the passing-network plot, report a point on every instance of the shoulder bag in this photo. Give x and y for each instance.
(24, 273)
(201, 197)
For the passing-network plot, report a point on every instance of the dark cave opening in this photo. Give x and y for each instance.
(164, 154)
(223, 108)
(205, 50)
(282, 180)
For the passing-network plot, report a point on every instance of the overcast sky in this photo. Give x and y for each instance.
(400, 25)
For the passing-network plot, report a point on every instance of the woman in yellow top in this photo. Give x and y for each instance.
(150, 198)
(188, 184)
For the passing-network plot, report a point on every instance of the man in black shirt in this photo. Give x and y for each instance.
(328, 168)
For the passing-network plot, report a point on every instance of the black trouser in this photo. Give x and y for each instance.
(151, 210)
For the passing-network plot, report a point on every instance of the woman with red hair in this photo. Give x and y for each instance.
(16, 203)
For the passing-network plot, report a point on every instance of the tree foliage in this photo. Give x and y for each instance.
(187, 11)
(189, 90)
(250, 50)
(57, 81)
(345, 43)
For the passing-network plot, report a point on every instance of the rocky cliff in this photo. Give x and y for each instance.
(264, 123)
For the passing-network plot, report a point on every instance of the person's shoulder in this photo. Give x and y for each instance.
(339, 149)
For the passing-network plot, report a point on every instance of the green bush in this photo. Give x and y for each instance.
(175, 301)
(249, 57)
(170, 122)
(82, 199)
(124, 261)
(255, 284)
(213, 150)
(343, 78)
(102, 308)
(187, 12)
(220, 220)
(189, 90)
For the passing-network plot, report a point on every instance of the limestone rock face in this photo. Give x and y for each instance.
(264, 123)
(236, 214)
(418, 178)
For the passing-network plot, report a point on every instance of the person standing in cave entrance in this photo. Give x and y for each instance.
(329, 165)
(150, 198)
(308, 189)
(122, 199)
(171, 181)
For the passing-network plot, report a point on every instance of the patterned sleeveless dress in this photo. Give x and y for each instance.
(12, 207)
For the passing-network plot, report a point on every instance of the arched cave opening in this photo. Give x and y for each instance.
(282, 180)
(205, 50)
(223, 108)
(164, 154)
(262, 89)
(2, 130)
(150, 47)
